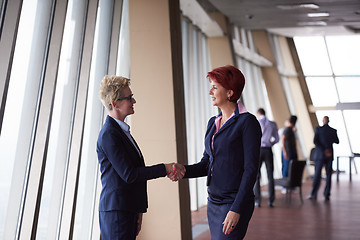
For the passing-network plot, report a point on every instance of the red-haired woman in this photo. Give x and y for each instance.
(231, 157)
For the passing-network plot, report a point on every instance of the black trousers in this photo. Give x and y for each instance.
(319, 164)
(118, 225)
(266, 155)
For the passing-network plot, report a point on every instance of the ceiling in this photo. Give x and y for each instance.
(286, 17)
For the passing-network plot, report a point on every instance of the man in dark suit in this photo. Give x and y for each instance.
(324, 138)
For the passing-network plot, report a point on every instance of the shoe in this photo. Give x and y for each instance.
(271, 205)
(283, 191)
(327, 198)
(310, 197)
(257, 204)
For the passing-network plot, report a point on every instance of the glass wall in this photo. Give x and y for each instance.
(255, 93)
(331, 67)
(197, 101)
(49, 179)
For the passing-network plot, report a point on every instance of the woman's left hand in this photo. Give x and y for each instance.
(232, 218)
(139, 222)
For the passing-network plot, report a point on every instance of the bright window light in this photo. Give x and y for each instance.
(315, 23)
(320, 14)
(298, 6)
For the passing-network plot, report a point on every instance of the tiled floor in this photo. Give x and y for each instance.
(200, 224)
(336, 219)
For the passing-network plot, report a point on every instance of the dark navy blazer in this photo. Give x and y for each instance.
(324, 138)
(123, 171)
(232, 167)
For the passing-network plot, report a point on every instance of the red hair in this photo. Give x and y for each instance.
(230, 78)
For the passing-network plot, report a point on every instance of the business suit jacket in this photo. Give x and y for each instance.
(231, 168)
(324, 138)
(123, 171)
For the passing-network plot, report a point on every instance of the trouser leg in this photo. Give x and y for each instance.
(328, 167)
(257, 187)
(317, 177)
(285, 165)
(269, 162)
(118, 225)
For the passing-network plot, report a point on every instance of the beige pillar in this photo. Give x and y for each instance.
(158, 122)
(297, 67)
(219, 51)
(272, 79)
(219, 47)
(276, 92)
(300, 94)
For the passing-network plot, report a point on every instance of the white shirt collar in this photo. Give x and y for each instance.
(124, 126)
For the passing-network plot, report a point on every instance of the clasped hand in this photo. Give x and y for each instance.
(175, 171)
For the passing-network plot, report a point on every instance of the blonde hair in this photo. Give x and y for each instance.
(111, 89)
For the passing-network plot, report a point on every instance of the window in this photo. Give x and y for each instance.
(330, 65)
(49, 174)
(197, 102)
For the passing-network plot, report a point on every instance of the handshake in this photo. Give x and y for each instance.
(175, 171)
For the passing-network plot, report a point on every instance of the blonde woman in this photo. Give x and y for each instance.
(123, 198)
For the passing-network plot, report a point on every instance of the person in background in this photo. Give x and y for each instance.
(281, 130)
(123, 198)
(288, 142)
(269, 137)
(231, 157)
(324, 138)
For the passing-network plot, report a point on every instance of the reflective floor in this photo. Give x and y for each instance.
(336, 219)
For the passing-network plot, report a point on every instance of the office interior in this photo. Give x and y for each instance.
(298, 57)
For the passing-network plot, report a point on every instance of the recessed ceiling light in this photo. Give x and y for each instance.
(298, 6)
(315, 23)
(320, 14)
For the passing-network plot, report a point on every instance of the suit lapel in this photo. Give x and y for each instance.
(137, 146)
(229, 122)
(209, 135)
(130, 145)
